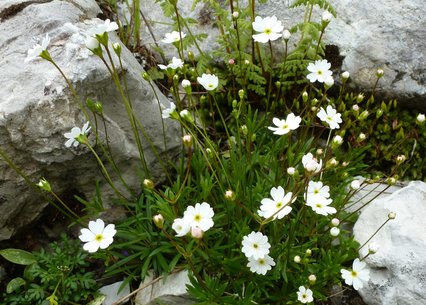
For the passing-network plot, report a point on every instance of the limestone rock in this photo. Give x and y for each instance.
(113, 293)
(398, 268)
(37, 108)
(390, 35)
(171, 290)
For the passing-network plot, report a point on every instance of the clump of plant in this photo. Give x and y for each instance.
(255, 206)
(58, 274)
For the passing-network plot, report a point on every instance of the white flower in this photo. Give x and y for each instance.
(199, 216)
(320, 71)
(176, 63)
(362, 136)
(334, 231)
(165, 113)
(304, 295)
(317, 188)
(278, 206)
(311, 164)
(269, 27)
(329, 81)
(330, 116)
(326, 16)
(260, 265)
(100, 29)
(97, 235)
(91, 43)
(292, 122)
(181, 226)
(208, 81)
(358, 276)
(37, 49)
(255, 245)
(291, 171)
(373, 247)
(186, 83)
(320, 205)
(75, 133)
(173, 37)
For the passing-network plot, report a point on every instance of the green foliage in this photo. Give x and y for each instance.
(59, 271)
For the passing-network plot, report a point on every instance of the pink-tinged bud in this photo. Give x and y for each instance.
(197, 233)
(231, 61)
(335, 222)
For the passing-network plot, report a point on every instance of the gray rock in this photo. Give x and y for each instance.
(398, 268)
(369, 35)
(171, 290)
(112, 293)
(37, 108)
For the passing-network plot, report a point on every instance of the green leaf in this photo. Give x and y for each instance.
(18, 256)
(97, 301)
(14, 284)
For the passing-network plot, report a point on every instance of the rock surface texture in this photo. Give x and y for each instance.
(390, 35)
(37, 108)
(398, 268)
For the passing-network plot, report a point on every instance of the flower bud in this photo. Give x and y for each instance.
(44, 185)
(117, 48)
(235, 14)
(244, 130)
(334, 231)
(92, 43)
(158, 221)
(337, 140)
(332, 162)
(286, 35)
(326, 16)
(373, 247)
(363, 115)
(329, 82)
(312, 279)
(355, 107)
(145, 76)
(291, 171)
(345, 75)
(305, 96)
(355, 185)
(380, 73)
(231, 61)
(186, 83)
(148, 183)
(360, 98)
(335, 222)
(362, 136)
(297, 259)
(392, 215)
(186, 115)
(197, 233)
(344, 164)
(241, 93)
(229, 195)
(247, 62)
(187, 140)
(391, 181)
(308, 252)
(278, 84)
(400, 159)
(320, 151)
(191, 56)
(420, 118)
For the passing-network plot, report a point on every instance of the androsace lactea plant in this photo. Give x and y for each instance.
(255, 204)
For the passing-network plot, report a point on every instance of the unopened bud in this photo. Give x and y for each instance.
(235, 14)
(391, 181)
(334, 231)
(400, 159)
(291, 171)
(305, 96)
(329, 82)
(337, 140)
(187, 140)
(345, 75)
(297, 259)
(191, 56)
(229, 195)
(308, 252)
(362, 136)
(380, 73)
(145, 76)
(373, 247)
(363, 115)
(392, 215)
(44, 185)
(286, 35)
(185, 114)
(355, 107)
(355, 185)
(326, 16)
(335, 222)
(241, 93)
(148, 183)
(197, 233)
(420, 118)
(360, 98)
(231, 61)
(186, 83)
(312, 279)
(117, 48)
(158, 221)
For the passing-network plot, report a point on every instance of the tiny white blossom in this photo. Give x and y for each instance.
(355, 185)
(320, 205)
(91, 43)
(165, 113)
(420, 118)
(338, 140)
(208, 81)
(255, 245)
(373, 247)
(286, 34)
(260, 265)
(200, 216)
(291, 171)
(330, 116)
(176, 63)
(97, 235)
(36, 50)
(305, 295)
(345, 75)
(100, 29)
(292, 122)
(269, 27)
(186, 83)
(358, 276)
(318, 188)
(311, 164)
(74, 133)
(320, 71)
(181, 226)
(278, 206)
(173, 37)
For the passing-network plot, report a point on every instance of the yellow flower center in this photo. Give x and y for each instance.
(318, 205)
(261, 262)
(354, 273)
(255, 246)
(267, 31)
(285, 126)
(197, 217)
(99, 237)
(279, 205)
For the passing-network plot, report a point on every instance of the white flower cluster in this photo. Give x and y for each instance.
(318, 198)
(256, 249)
(176, 63)
(197, 219)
